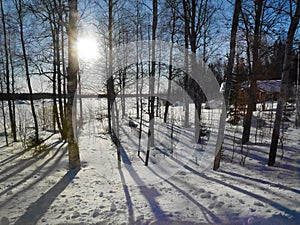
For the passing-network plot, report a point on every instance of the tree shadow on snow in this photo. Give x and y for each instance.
(215, 218)
(15, 169)
(24, 163)
(27, 187)
(261, 181)
(292, 213)
(278, 220)
(149, 193)
(37, 209)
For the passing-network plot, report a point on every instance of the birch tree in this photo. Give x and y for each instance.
(73, 68)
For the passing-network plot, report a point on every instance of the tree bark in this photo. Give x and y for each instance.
(3, 114)
(59, 59)
(170, 65)
(234, 27)
(186, 65)
(150, 142)
(284, 84)
(73, 68)
(19, 7)
(7, 72)
(255, 70)
(110, 81)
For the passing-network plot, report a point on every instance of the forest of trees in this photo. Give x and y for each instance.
(250, 39)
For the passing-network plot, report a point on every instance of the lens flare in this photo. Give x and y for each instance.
(88, 48)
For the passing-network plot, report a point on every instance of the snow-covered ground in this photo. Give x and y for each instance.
(173, 189)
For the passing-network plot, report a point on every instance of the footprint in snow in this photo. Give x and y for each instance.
(205, 195)
(259, 204)
(219, 204)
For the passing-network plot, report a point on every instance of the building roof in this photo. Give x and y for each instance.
(269, 86)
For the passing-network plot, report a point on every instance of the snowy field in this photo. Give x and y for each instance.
(173, 189)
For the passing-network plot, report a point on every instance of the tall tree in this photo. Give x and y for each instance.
(73, 68)
(7, 72)
(2, 104)
(258, 4)
(150, 142)
(288, 52)
(170, 77)
(110, 80)
(197, 17)
(19, 4)
(60, 62)
(234, 27)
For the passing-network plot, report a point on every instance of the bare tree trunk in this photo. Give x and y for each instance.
(13, 86)
(6, 49)
(247, 35)
(186, 65)
(141, 114)
(19, 7)
(73, 68)
(110, 81)
(54, 76)
(284, 84)
(137, 56)
(140, 62)
(255, 70)
(234, 27)
(297, 121)
(170, 65)
(190, 11)
(59, 71)
(169, 87)
(158, 110)
(3, 113)
(65, 128)
(152, 80)
(80, 101)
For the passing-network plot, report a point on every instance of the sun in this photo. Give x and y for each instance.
(87, 48)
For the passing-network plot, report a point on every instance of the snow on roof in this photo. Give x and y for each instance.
(270, 86)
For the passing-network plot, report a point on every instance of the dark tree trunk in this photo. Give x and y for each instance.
(3, 114)
(59, 59)
(191, 29)
(234, 27)
(65, 128)
(141, 112)
(170, 65)
(19, 8)
(150, 142)
(255, 70)
(54, 76)
(110, 81)
(186, 65)
(284, 84)
(7, 72)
